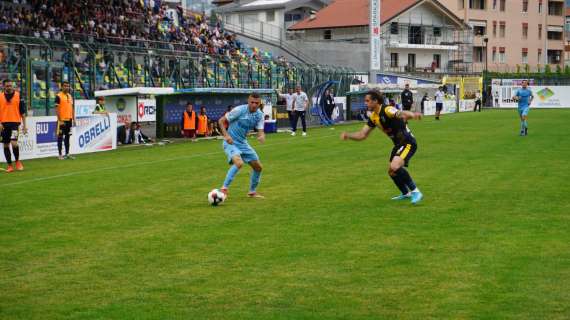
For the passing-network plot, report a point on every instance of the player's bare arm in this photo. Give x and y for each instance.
(261, 136)
(222, 125)
(357, 136)
(408, 115)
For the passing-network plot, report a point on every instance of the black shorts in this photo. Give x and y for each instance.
(405, 151)
(438, 106)
(64, 127)
(10, 132)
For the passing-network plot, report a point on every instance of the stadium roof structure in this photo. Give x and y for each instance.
(255, 5)
(354, 13)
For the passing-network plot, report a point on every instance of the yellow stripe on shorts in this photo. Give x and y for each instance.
(404, 153)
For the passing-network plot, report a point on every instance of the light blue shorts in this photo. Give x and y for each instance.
(523, 111)
(245, 151)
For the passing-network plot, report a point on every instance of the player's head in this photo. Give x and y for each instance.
(373, 99)
(290, 90)
(101, 100)
(203, 110)
(407, 86)
(298, 88)
(440, 88)
(65, 87)
(8, 86)
(525, 84)
(230, 107)
(189, 107)
(254, 102)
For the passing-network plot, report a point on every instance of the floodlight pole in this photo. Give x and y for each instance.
(375, 40)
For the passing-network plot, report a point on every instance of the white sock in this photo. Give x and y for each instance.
(416, 190)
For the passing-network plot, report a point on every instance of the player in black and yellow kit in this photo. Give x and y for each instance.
(12, 115)
(65, 117)
(394, 123)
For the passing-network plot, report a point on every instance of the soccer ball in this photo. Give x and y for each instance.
(215, 197)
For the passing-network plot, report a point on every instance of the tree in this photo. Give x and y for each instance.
(547, 69)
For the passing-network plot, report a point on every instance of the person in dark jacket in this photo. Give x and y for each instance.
(407, 98)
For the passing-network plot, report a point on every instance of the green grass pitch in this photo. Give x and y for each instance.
(129, 234)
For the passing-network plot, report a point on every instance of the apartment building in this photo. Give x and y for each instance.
(511, 33)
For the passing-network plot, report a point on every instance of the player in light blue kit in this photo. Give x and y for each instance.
(524, 98)
(241, 120)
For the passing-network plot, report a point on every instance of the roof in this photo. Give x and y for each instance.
(355, 13)
(254, 5)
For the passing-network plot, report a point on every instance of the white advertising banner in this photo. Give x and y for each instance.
(125, 107)
(84, 108)
(449, 106)
(466, 105)
(375, 42)
(146, 110)
(544, 96)
(91, 134)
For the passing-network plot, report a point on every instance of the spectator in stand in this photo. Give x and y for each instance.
(189, 122)
(203, 123)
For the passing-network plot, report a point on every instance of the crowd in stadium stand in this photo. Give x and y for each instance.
(115, 20)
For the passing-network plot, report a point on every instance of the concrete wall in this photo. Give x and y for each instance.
(343, 54)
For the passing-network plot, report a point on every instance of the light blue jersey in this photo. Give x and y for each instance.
(524, 96)
(242, 121)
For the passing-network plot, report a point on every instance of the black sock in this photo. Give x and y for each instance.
(406, 178)
(7, 154)
(16, 151)
(66, 144)
(59, 144)
(400, 184)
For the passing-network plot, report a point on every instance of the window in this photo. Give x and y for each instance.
(494, 4)
(461, 4)
(555, 8)
(494, 56)
(539, 55)
(494, 28)
(437, 60)
(539, 32)
(478, 54)
(525, 6)
(415, 35)
(502, 5)
(540, 7)
(270, 16)
(394, 28)
(437, 32)
(525, 30)
(394, 60)
(524, 57)
(477, 4)
(502, 57)
(502, 30)
(327, 34)
(411, 61)
(554, 35)
(479, 30)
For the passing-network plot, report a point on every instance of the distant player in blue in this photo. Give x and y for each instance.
(243, 119)
(524, 98)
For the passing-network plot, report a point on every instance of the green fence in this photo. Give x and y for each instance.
(39, 66)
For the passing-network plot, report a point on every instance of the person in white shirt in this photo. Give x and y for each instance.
(300, 106)
(289, 98)
(438, 102)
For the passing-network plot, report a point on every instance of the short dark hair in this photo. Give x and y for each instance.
(375, 95)
(64, 82)
(100, 98)
(255, 95)
(189, 104)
